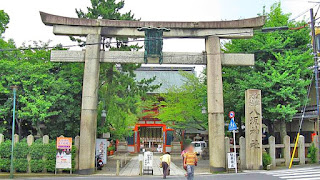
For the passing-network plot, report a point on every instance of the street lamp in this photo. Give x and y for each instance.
(103, 114)
(204, 110)
(14, 88)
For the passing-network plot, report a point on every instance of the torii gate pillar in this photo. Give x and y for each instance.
(215, 105)
(89, 105)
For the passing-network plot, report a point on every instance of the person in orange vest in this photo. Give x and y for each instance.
(190, 161)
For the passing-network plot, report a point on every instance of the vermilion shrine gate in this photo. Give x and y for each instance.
(94, 29)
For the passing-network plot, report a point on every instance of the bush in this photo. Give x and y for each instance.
(37, 165)
(266, 160)
(111, 148)
(21, 165)
(21, 150)
(37, 150)
(5, 164)
(50, 165)
(50, 151)
(312, 153)
(5, 149)
(73, 152)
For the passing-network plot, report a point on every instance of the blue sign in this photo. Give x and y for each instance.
(232, 125)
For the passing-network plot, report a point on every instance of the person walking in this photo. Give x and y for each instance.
(190, 160)
(165, 161)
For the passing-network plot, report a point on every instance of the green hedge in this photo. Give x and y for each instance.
(5, 165)
(21, 165)
(21, 150)
(50, 165)
(37, 165)
(49, 150)
(5, 149)
(37, 151)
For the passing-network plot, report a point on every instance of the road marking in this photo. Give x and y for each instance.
(312, 173)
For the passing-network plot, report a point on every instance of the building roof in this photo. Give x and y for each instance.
(167, 76)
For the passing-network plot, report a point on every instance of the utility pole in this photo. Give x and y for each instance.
(315, 56)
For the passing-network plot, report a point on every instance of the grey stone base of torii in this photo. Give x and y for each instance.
(93, 29)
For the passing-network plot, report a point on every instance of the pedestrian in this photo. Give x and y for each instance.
(165, 162)
(182, 155)
(190, 160)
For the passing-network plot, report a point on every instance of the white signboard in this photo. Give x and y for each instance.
(147, 159)
(232, 162)
(101, 149)
(63, 159)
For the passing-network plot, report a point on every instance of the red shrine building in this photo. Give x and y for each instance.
(150, 133)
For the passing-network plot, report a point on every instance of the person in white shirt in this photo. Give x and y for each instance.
(165, 161)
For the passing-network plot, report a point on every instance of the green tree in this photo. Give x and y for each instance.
(120, 95)
(48, 94)
(281, 71)
(181, 107)
(4, 20)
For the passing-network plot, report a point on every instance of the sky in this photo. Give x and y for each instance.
(25, 24)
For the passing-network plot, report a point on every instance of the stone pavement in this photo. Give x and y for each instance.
(132, 168)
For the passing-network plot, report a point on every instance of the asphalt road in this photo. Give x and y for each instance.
(241, 176)
(302, 173)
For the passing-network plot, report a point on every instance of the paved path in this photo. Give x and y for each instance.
(310, 173)
(132, 168)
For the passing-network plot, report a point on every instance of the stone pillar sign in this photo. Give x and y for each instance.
(253, 112)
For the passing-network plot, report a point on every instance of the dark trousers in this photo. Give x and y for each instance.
(165, 169)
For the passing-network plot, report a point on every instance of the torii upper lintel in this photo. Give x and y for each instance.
(49, 19)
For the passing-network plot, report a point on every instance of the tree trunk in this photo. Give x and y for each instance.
(109, 75)
(19, 128)
(240, 127)
(283, 129)
(270, 127)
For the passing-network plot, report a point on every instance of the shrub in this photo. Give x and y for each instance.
(50, 165)
(37, 165)
(36, 150)
(73, 152)
(312, 153)
(21, 165)
(50, 151)
(111, 148)
(266, 160)
(21, 150)
(5, 164)
(5, 149)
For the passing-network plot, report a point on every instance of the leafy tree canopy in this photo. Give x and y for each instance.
(181, 107)
(4, 20)
(281, 71)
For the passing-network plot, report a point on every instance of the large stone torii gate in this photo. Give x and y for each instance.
(94, 29)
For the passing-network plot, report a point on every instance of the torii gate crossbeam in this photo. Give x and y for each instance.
(211, 31)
